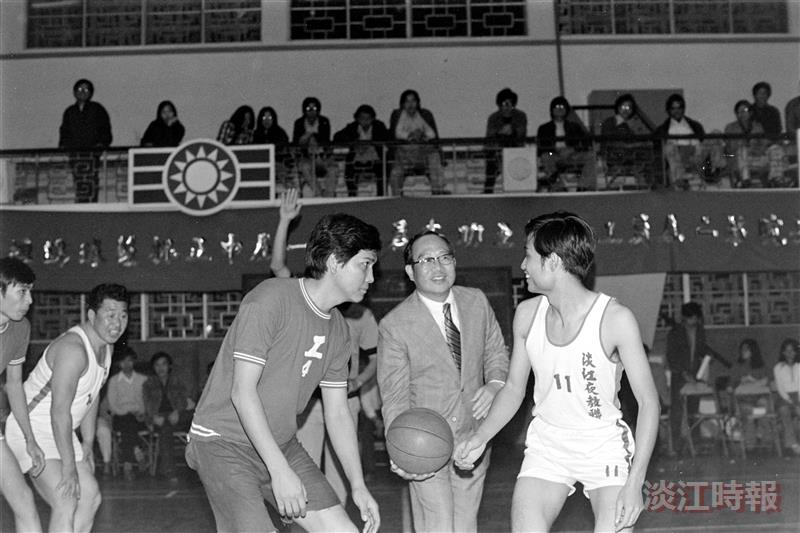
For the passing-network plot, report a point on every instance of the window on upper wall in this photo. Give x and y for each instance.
(320, 20)
(660, 17)
(90, 23)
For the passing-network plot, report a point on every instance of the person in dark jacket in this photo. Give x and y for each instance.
(681, 154)
(85, 131)
(364, 157)
(268, 131)
(312, 132)
(767, 115)
(166, 129)
(562, 145)
(508, 126)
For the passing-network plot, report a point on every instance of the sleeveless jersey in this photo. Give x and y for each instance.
(576, 384)
(37, 386)
(14, 343)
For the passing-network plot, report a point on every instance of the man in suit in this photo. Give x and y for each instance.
(441, 348)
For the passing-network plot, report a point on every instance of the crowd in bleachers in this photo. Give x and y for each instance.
(750, 153)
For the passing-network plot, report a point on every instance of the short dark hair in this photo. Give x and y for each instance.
(81, 82)
(308, 100)
(123, 352)
(762, 85)
(673, 98)
(559, 100)
(407, 93)
(111, 291)
(408, 257)
(568, 236)
(690, 309)
(343, 236)
(739, 104)
(621, 99)
(506, 94)
(13, 270)
(785, 344)
(160, 355)
(364, 108)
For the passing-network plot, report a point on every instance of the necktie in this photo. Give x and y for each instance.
(453, 336)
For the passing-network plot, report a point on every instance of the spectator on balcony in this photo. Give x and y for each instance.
(268, 131)
(765, 114)
(166, 129)
(680, 154)
(416, 128)
(365, 158)
(312, 132)
(85, 131)
(792, 114)
(168, 408)
(126, 402)
(239, 128)
(625, 155)
(508, 126)
(748, 156)
(562, 146)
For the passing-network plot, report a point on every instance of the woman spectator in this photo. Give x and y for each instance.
(239, 128)
(268, 131)
(166, 129)
(168, 407)
(748, 375)
(787, 384)
(748, 156)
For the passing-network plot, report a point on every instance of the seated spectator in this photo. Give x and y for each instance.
(312, 132)
(562, 145)
(792, 114)
(787, 384)
(631, 157)
(85, 131)
(166, 129)
(765, 114)
(748, 374)
(508, 126)
(682, 155)
(364, 158)
(239, 128)
(168, 407)
(126, 402)
(416, 128)
(748, 157)
(268, 131)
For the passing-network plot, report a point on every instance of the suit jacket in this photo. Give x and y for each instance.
(678, 354)
(416, 369)
(574, 133)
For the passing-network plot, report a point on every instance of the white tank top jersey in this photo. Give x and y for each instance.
(576, 384)
(37, 386)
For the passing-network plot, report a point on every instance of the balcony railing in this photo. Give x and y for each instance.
(451, 166)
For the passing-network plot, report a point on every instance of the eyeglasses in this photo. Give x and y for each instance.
(444, 259)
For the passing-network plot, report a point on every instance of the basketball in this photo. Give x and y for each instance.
(419, 441)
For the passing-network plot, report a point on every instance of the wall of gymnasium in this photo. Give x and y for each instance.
(457, 80)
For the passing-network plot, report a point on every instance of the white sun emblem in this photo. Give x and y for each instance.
(201, 176)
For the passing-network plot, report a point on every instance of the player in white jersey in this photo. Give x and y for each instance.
(577, 342)
(16, 282)
(63, 395)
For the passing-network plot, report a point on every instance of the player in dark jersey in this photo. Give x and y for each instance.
(16, 282)
(286, 340)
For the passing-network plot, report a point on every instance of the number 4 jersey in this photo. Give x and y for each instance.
(576, 384)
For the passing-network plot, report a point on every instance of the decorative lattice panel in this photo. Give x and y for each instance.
(378, 19)
(671, 301)
(175, 315)
(774, 297)
(701, 16)
(113, 23)
(222, 309)
(53, 313)
(641, 18)
(318, 20)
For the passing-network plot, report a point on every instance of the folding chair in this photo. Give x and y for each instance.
(754, 407)
(708, 413)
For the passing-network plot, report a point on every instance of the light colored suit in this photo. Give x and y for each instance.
(416, 369)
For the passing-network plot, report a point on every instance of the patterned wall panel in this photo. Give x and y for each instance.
(222, 309)
(117, 23)
(377, 19)
(53, 313)
(774, 297)
(318, 20)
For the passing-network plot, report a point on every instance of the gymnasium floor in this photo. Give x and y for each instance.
(148, 504)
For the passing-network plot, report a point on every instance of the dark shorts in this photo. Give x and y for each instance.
(237, 482)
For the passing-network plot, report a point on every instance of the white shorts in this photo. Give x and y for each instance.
(595, 457)
(43, 434)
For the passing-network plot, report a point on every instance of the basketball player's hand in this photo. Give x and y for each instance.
(290, 494)
(408, 476)
(290, 207)
(69, 487)
(629, 505)
(37, 457)
(467, 452)
(483, 399)
(368, 507)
